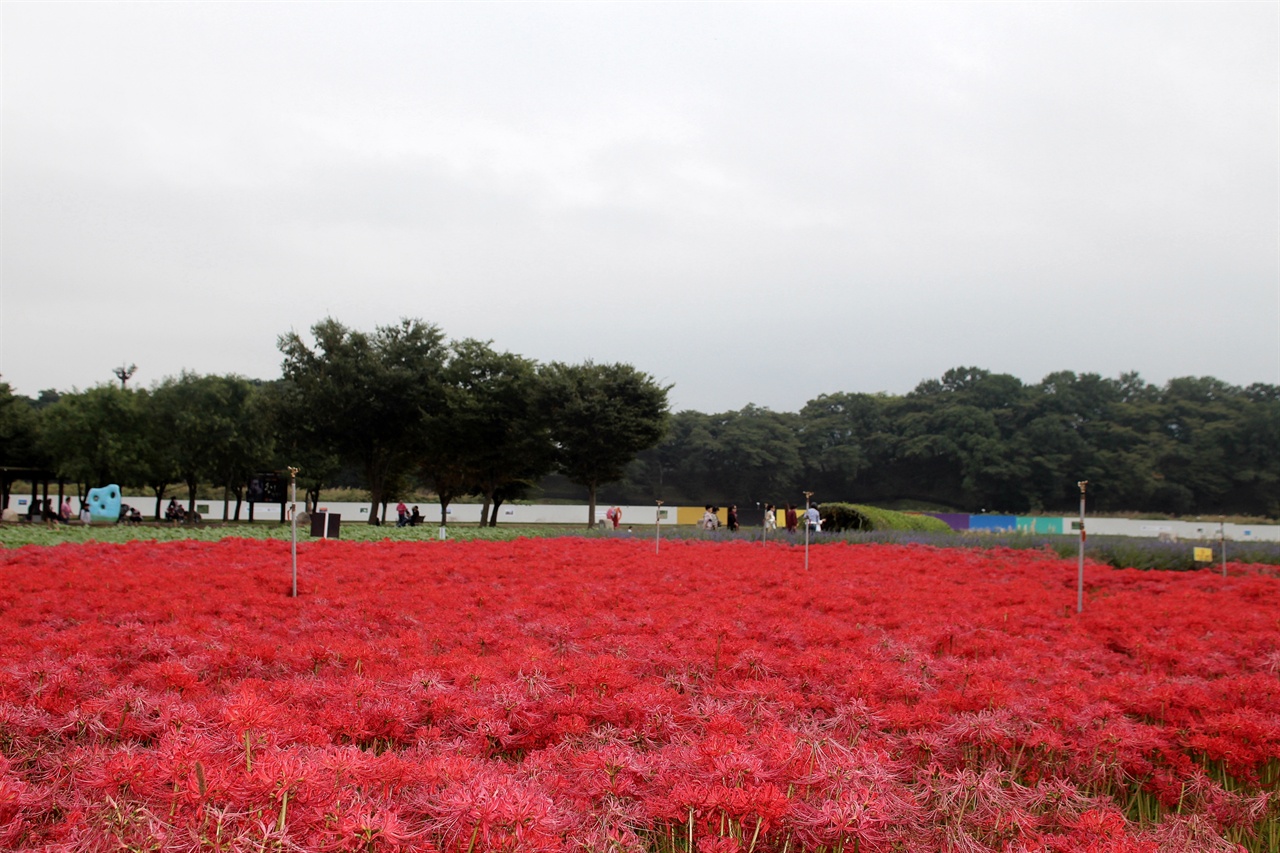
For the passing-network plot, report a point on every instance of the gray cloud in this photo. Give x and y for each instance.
(754, 202)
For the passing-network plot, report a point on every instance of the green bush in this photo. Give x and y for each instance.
(841, 517)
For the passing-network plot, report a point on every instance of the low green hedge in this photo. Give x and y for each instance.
(840, 517)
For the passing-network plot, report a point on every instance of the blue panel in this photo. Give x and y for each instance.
(993, 522)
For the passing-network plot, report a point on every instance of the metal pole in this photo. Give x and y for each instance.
(1080, 568)
(293, 517)
(657, 530)
(807, 496)
(1222, 534)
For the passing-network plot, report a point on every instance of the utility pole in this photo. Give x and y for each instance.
(124, 374)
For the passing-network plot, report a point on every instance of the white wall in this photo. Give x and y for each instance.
(1189, 530)
(644, 516)
(459, 513)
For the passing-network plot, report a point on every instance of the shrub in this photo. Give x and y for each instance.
(840, 517)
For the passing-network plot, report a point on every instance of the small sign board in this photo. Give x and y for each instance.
(1202, 555)
(266, 487)
(1075, 525)
(325, 524)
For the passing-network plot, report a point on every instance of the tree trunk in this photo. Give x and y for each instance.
(493, 516)
(444, 509)
(191, 499)
(226, 503)
(159, 492)
(239, 500)
(374, 502)
(591, 505)
(484, 510)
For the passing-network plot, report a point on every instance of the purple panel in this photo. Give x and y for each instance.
(954, 520)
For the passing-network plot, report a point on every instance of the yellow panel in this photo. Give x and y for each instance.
(689, 514)
(1203, 555)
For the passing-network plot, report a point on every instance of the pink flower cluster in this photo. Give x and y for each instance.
(566, 695)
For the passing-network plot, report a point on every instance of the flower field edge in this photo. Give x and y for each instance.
(576, 694)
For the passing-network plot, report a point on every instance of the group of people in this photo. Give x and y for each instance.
(62, 514)
(175, 512)
(791, 518)
(711, 518)
(404, 518)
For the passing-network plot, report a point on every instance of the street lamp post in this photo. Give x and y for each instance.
(657, 530)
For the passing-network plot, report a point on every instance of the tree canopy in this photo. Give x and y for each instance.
(601, 416)
(400, 406)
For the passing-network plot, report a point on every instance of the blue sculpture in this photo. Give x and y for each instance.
(104, 504)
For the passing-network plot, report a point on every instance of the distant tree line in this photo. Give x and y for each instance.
(392, 410)
(975, 440)
(401, 409)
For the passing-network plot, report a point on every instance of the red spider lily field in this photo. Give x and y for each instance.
(593, 695)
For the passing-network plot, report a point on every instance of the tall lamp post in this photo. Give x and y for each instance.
(1080, 567)
(293, 518)
(657, 530)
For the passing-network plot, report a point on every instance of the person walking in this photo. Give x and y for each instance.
(402, 514)
(812, 519)
(770, 517)
(733, 518)
(790, 519)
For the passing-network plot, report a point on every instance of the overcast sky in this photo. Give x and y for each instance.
(752, 202)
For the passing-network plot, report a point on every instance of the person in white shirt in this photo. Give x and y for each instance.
(812, 519)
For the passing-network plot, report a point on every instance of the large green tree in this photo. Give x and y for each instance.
(94, 437)
(601, 416)
(19, 430)
(299, 443)
(365, 395)
(214, 428)
(491, 433)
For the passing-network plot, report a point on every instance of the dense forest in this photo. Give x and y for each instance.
(979, 441)
(401, 410)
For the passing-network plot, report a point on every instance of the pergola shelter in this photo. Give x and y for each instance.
(39, 478)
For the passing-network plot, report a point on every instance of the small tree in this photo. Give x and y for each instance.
(601, 416)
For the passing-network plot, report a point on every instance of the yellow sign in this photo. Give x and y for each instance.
(1203, 555)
